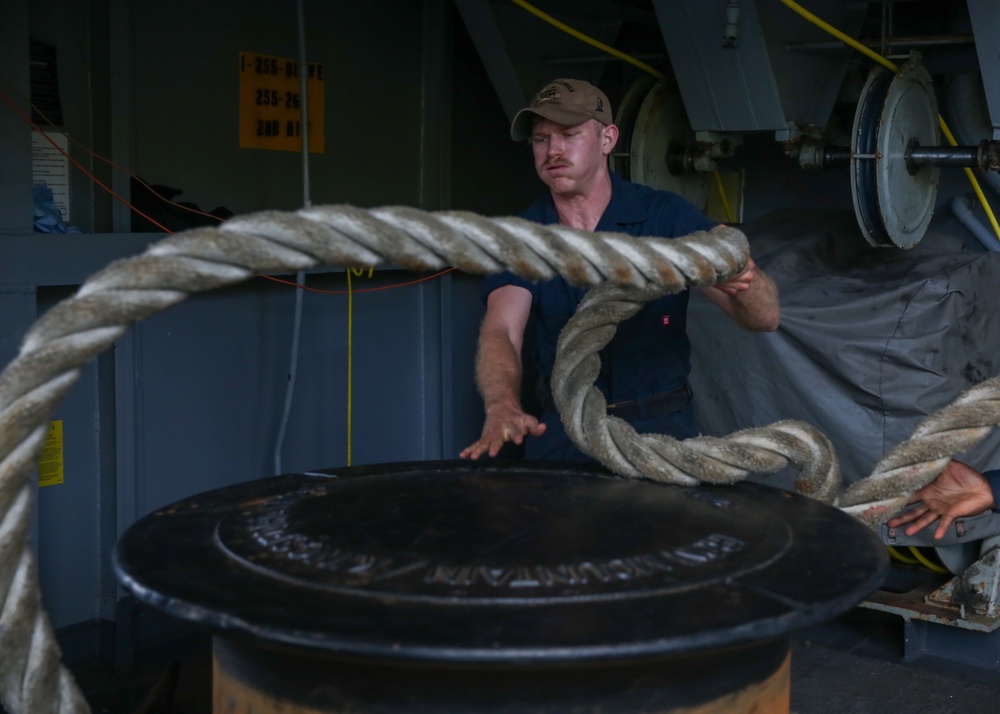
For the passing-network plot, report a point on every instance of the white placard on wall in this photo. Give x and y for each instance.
(51, 167)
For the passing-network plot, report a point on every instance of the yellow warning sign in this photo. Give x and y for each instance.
(50, 464)
(270, 103)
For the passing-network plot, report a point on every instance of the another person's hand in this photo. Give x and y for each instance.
(505, 422)
(958, 491)
(741, 282)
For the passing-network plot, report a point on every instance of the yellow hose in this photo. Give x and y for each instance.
(934, 567)
(622, 56)
(589, 40)
(900, 557)
(891, 66)
(722, 194)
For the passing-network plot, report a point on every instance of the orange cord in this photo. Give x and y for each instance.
(76, 163)
(27, 119)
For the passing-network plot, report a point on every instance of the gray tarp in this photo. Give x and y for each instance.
(871, 340)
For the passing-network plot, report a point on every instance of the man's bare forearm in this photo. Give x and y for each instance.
(757, 308)
(498, 369)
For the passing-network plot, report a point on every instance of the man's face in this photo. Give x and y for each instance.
(569, 159)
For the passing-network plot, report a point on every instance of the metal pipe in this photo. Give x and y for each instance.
(303, 102)
(963, 207)
(584, 59)
(943, 156)
(985, 156)
(892, 44)
(836, 156)
(300, 276)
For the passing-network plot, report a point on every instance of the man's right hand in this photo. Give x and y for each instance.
(504, 422)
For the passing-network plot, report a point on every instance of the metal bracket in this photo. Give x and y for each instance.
(970, 600)
(962, 530)
(978, 588)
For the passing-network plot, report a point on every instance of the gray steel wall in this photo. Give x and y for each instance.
(191, 399)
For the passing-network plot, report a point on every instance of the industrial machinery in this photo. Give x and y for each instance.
(857, 95)
(749, 67)
(497, 588)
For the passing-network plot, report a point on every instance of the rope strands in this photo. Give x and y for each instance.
(128, 290)
(628, 271)
(614, 442)
(914, 463)
(32, 678)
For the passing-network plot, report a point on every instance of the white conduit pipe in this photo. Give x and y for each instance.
(300, 276)
(963, 207)
(971, 116)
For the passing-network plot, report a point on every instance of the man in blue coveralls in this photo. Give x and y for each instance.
(569, 125)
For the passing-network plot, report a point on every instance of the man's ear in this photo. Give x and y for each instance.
(609, 137)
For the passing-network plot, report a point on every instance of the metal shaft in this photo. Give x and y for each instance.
(961, 156)
(985, 156)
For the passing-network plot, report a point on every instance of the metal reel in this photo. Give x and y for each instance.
(894, 115)
(654, 133)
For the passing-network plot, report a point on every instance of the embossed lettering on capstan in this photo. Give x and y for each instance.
(272, 541)
(269, 531)
(546, 576)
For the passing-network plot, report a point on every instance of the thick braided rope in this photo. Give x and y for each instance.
(76, 330)
(916, 462)
(905, 469)
(616, 444)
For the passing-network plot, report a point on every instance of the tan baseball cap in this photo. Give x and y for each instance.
(564, 101)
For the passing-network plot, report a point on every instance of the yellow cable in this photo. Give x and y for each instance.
(350, 329)
(589, 40)
(722, 194)
(925, 562)
(900, 557)
(622, 56)
(841, 36)
(891, 66)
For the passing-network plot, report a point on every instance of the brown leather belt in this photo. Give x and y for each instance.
(644, 407)
(653, 405)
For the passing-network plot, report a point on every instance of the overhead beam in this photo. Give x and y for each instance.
(482, 26)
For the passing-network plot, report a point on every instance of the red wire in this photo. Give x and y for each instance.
(93, 178)
(76, 163)
(95, 155)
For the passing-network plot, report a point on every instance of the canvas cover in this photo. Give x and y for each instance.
(871, 340)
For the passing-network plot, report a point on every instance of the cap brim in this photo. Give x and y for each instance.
(520, 128)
